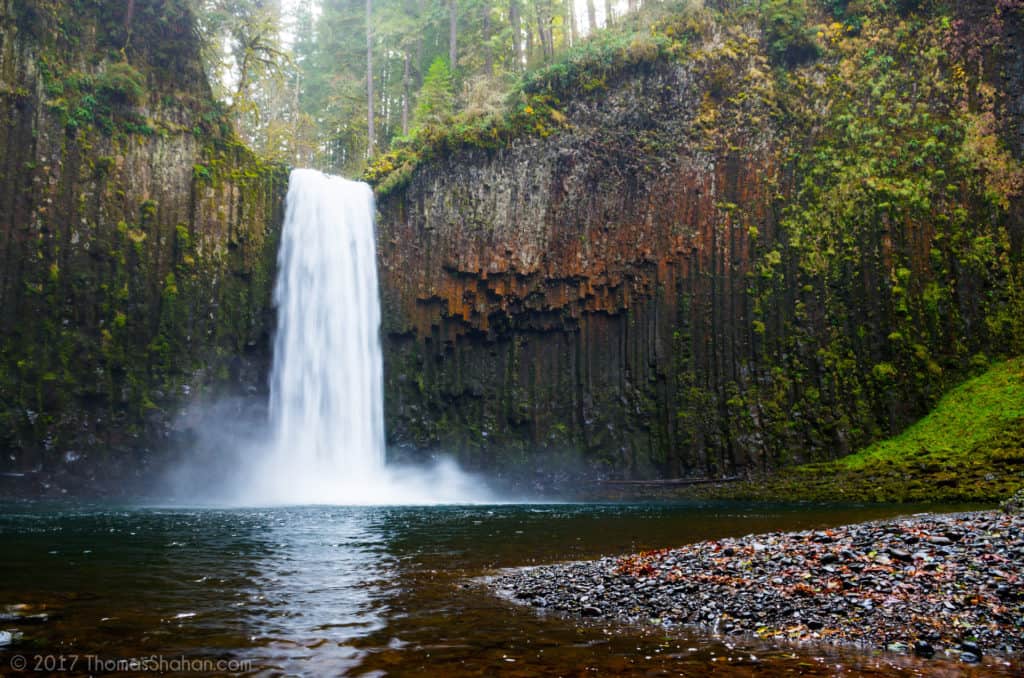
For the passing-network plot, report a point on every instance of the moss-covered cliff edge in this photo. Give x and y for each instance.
(761, 233)
(137, 237)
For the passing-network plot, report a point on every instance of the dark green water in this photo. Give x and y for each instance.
(372, 591)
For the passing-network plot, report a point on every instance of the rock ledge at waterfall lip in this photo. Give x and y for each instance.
(931, 585)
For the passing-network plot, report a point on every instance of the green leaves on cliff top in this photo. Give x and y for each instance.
(532, 104)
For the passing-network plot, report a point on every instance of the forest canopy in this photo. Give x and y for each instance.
(330, 83)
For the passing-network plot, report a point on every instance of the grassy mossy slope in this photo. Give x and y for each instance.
(969, 448)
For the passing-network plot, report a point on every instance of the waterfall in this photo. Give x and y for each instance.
(326, 388)
(326, 438)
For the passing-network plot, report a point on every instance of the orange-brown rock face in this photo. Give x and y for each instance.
(545, 297)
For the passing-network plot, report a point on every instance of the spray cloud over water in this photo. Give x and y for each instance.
(326, 441)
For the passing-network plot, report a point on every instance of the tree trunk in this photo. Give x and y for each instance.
(542, 32)
(243, 80)
(530, 11)
(633, 5)
(371, 132)
(573, 35)
(418, 59)
(529, 41)
(486, 24)
(406, 92)
(514, 19)
(551, 31)
(385, 107)
(453, 48)
(129, 15)
(609, 13)
(591, 17)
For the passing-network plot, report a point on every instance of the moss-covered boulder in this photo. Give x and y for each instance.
(1014, 504)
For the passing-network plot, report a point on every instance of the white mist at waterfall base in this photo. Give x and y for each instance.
(326, 443)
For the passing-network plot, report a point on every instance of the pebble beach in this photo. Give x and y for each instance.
(949, 586)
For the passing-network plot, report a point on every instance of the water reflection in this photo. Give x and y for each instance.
(324, 582)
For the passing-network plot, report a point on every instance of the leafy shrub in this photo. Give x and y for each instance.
(123, 83)
(789, 33)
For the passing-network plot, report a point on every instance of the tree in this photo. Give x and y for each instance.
(371, 133)
(436, 99)
(246, 61)
(515, 21)
(453, 34)
(570, 19)
(485, 24)
(357, 74)
(545, 27)
(334, 93)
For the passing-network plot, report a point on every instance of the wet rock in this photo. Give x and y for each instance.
(1014, 504)
(923, 648)
(971, 647)
(901, 555)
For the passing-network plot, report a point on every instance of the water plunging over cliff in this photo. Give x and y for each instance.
(326, 400)
(326, 388)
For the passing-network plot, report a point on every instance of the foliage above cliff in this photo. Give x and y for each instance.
(122, 68)
(534, 104)
(791, 58)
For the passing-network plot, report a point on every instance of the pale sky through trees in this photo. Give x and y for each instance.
(289, 7)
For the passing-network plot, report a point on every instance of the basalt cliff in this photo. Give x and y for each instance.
(715, 249)
(137, 240)
(731, 240)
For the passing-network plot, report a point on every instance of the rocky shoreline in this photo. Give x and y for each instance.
(931, 585)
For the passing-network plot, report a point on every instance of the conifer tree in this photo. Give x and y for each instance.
(437, 97)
